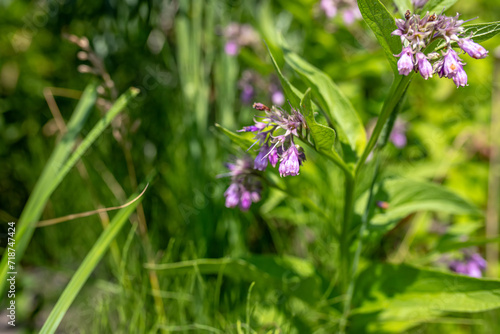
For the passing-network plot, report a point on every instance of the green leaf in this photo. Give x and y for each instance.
(393, 298)
(482, 31)
(382, 24)
(291, 275)
(87, 267)
(403, 6)
(242, 140)
(437, 6)
(407, 196)
(291, 93)
(323, 136)
(332, 101)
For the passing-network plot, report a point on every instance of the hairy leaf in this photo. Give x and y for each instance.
(393, 298)
(382, 24)
(323, 136)
(406, 196)
(332, 101)
(482, 31)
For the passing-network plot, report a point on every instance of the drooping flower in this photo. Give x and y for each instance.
(245, 186)
(460, 77)
(405, 62)
(232, 195)
(417, 33)
(424, 66)
(290, 162)
(273, 157)
(261, 161)
(245, 200)
(473, 49)
(451, 63)
(472, 265)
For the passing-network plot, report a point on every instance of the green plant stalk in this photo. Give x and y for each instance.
(349, 185)
(86, 268)
(395, 95)
(359, 248)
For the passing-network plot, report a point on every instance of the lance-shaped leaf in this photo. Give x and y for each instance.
(292, 94)
(331, 99)
(482, 31)
(407, 196)
(382, 24)
(323, 136)
(394, 298)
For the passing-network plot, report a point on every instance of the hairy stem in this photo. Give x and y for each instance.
(345, 256)
(354, 267)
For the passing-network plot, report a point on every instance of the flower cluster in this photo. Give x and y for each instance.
(239, 35)
(349, 8)
(245, 187)
(417, 33)
(275, 133)
(472, 265)
(251, 81)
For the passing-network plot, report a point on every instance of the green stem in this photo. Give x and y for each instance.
(397, 91)
(345, 257)
(357, 255)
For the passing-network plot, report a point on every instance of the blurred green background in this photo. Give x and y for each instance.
(173, 51)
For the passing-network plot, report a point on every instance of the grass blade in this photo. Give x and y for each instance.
(87, 267)
(58, 166)
(46, 183)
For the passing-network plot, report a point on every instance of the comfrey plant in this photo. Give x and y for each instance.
(377, 297)
(418, 33)
(275, 134)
